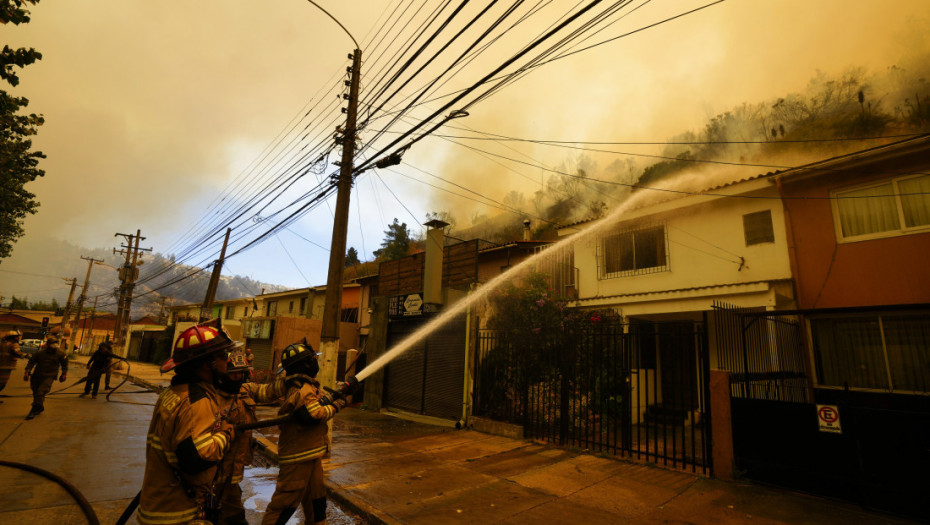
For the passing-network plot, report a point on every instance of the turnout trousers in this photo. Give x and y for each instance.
(40, 387)
(298, 484)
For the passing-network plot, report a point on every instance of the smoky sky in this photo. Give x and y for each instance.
(153, 108)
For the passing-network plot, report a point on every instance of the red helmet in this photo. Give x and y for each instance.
(198, 341)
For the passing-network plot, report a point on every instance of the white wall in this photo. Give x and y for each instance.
(704, 241)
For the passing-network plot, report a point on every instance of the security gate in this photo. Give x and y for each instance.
(637, 390)
(880, 458)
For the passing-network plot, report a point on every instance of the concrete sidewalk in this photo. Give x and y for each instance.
(391, 470)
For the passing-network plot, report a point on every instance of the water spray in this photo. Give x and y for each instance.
(493, 284)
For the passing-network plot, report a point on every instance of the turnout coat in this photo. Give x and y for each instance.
(187, 438)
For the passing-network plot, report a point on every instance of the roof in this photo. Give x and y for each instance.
(514, 244)
(874, 154)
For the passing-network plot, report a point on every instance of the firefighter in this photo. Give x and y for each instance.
(245, 396)
(46, 361)
(303, 442)
(98, 364)
(9, 353)
(189, 433)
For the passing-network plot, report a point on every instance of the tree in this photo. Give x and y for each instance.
(18, 163)
(396, 242)
(352, 257)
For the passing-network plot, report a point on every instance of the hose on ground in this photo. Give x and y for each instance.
(82, 502)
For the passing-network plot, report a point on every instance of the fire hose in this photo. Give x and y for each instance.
(82, 502)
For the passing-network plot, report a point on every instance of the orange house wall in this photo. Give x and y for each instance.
(889, 271)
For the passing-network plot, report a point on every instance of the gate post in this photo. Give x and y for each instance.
(721, 425)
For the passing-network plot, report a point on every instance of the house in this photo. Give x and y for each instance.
(858, 230)
(433, 378)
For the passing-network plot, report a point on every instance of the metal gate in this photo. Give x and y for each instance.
(879, 460)
(428, 378)
(636, 390)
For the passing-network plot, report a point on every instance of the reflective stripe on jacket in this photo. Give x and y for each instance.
(304, 441)
(184, 445)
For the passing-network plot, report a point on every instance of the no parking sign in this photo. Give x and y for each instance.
(829, 418)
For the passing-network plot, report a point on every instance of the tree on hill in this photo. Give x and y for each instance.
(18, 162)
(396, 242)
(352, 257)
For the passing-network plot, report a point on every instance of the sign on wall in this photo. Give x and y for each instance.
(410, 305)
(828, 417)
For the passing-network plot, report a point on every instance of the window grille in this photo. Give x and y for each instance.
(633, 252)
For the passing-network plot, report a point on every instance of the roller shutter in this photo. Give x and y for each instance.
(428, 378)
(261, 349)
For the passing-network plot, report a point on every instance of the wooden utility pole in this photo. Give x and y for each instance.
(329, 340)
(65, 318)
(128, 274)
(206, 309)
(81, 299)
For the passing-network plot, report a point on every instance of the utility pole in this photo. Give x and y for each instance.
(329, 340)
(93, 315)
(65, 318)
(206, 309)
(128, 274)
(81, 299)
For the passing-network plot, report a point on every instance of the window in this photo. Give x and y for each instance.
(290, 307)
(885, 352)
(634, 252)
(271, 309)
(303, 305)
(757, 227)
(230, 312)
(896, 207)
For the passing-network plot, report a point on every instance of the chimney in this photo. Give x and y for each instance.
(526, 229)
(432, 273)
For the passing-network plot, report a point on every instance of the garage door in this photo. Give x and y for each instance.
(428, 378)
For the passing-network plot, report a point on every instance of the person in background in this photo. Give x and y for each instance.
(46, 363)
(99, 363)
(9, 353)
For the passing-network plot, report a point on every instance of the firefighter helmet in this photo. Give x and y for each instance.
(237, 362)
(12, 334)
(296, 353)
(198, 341)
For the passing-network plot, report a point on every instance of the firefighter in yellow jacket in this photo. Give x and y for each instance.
(302, 443)
(9, 353)
(189, 433)
(245, 395)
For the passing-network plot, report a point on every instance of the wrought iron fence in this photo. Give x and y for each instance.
(628, 390)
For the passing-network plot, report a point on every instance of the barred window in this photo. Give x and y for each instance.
(634, 252)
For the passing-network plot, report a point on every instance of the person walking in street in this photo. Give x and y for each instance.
(189, 433)
(303, 442)
(9, 353)
(98, 364)
(245, 395)
(46, 362)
